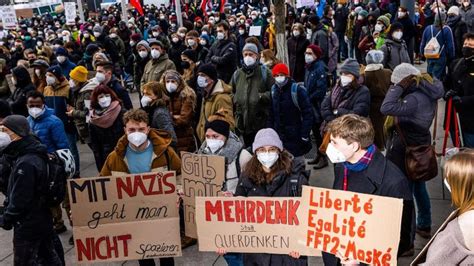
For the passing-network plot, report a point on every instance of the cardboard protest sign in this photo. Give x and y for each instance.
(255, 31)
(70, 12)
(8, 17)
(359, 226)
(125, 217)
(250, 225)
(202, 175)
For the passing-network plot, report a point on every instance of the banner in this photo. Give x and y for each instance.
(8, 17)
(202, 175)
(125, 217)
(304, 3)
(249, 225)
(357, 226)
(70, 12)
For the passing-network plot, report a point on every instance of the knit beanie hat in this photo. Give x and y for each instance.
(250, 47)
(61, 51)
(280, 69)
(453, 10)
(56, 71)
(98, 29)
(220, 126)
(144, 44)
(350, 66)
(402, 71)
(267, 137)
(374, 57)
(191, 54)
(209, 70)
(385, 21)
(136, 37)
(316, 50)
(79, 73)
(363, 13)
(18, 124)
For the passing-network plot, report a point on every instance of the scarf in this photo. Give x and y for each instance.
(106, 118)
(363, 163)
(271, 36)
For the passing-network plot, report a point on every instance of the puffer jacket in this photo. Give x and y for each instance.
(220, 98)
(280, 186)
(290, 122)
(155, 68)
(252, 98)
(80, 111)
(50, 130)
(24, 85)
(23, 209)
(316, 82)
(164, 156)
(58, 98)
(394, 53)
(414, 108)
(182, 107)
(223, 54)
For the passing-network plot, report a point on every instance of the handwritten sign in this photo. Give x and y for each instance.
(202, 175)
(255, 31)
(8, 17)
(250, 225)
(70, 12)
(304, 3)
(359, 226)
(125, 217)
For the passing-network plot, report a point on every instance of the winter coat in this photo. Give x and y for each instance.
(122, 93)
(352, 101)
(320, 38)
(182, 107)
(414, 108)
(463, 83)
(160, 118)
(66, 67)
(468, 17)
(252, 98)
(333, 49)
(381, 178)
(155, 68)
(164, 156)
(280, 186)
(234, 154)
(24, 211)
(138, 68)
(120, 50)
(174, 54)
(458, 28)
(201, 53)
(315, 81)
(220, 98)
(223, 54)
(80, 111)
(23, 86)
(292, 124)
(409, 29)
(58, 98)
(109, 45)
(340, 19)
(296, 52)
(104, 140)
(50, 130)
(394, 53)
(377, 79)
(445, 40)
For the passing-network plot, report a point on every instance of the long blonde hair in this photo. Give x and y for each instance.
(459, 173)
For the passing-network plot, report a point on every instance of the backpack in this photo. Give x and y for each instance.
(433, 49)
(54, 187)
(294, 94)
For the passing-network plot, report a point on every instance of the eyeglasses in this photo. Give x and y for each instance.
(269, 150)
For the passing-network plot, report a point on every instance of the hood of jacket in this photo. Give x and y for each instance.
(221, 87)
(160, 140)
(433, 90)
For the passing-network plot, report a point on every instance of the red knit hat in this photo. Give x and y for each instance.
(316, 50)
(280, 69)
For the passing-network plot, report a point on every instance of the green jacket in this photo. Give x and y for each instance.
(252, 99)
(81, 111)
(155, 68)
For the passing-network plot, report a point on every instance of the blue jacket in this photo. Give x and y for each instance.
(66, 67)
(315, 80)
(50, 130)
(292, 124)
(445, 39)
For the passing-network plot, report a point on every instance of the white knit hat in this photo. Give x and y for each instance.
(453, 10)
(402, 71)
(374, 57)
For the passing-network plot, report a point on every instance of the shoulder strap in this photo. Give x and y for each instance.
(263, 71)
(168, 161)
(435, 125)
(237, 163)
(294, 95)
(235, 77)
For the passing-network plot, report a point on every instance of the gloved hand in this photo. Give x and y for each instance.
(449, 94)
(457, 99)
(406, 82)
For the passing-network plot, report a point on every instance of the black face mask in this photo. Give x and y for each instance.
(468, 53)
(185, 65)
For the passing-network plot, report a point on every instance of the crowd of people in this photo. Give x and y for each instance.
(350, 90)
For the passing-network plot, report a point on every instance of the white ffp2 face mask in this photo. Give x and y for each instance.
(249, 61)
(334, 155)
(345, 80)
(171, 87)
(214, 144)
(5, 140)
(35, 112)
(145, 101)
(268, 159)
(104, 102)
(137, 138)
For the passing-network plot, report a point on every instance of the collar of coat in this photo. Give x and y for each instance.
(373, 67)
(160, 139)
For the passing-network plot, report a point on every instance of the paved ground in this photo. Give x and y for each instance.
(191, 256)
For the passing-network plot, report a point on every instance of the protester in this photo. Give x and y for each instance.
(22, 82)
(81, 94)
(297, 44)
(158, 64)
(395, 49)
(223, 53)
(40, 67)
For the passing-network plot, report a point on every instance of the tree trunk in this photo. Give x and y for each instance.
(282, 48)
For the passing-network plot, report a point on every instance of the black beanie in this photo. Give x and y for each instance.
(220, 126)
(209, 70)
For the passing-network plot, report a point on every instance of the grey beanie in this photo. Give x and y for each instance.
(98, 28)
(374, 57)
(351, 66)
(267, 137)
(250, 47)
(144, 44)
(18, 124)
(402, 71)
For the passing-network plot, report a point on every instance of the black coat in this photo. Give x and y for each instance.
(381, 178)
(23, 208)
(122, 93)
(281, 186)
(174, 54)
(463, 83)
(24, 85)
(296, 50)
(223, 54)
